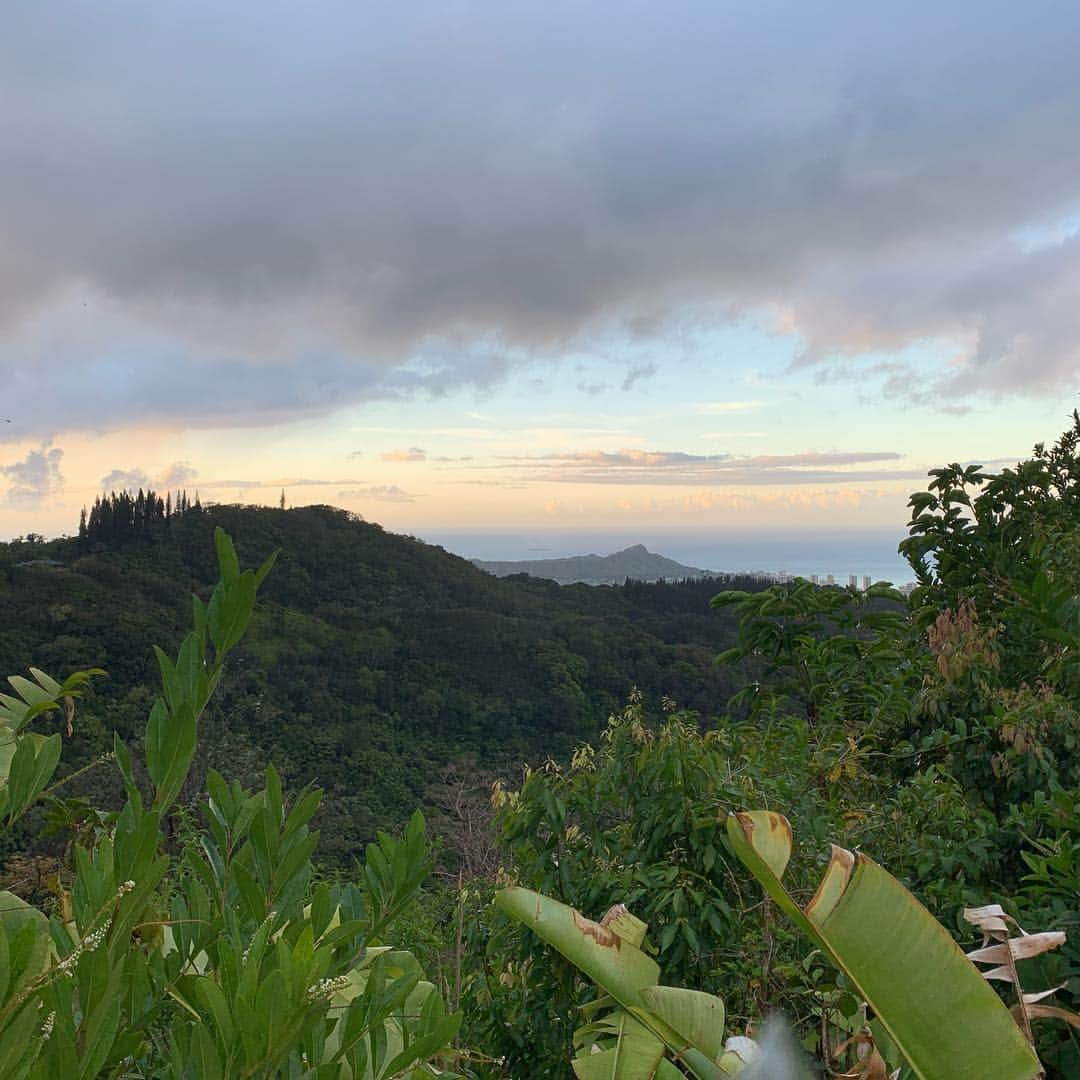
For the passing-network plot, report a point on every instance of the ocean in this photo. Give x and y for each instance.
(860, 552)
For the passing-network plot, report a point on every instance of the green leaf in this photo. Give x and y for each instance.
(48, 684)
(30, 692)
(425, 1045)
(32, 767)
(635, 1055)
(762, 840)
(100, 1028)
(26, 932)
(20, 1042)
(228, 563)
(619, 968)
(698, 1017)
(204, 1056)
(940, 1012)
(229, 611)
(170, 680)
(265, 569)
(211, 997)
(622, 971)
(5, 963)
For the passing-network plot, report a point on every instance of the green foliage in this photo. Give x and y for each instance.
(28, 760)
(638, 820)
(636, 1025)
(1050, 899)
(1006, 544)
(226, 962)
(928, 1001)
(832, 652)
(926, 734)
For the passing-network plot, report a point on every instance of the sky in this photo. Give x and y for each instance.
(474, 266)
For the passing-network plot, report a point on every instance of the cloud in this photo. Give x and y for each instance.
(124, 480)
(824, 499)
(661, 467)
(183, 474)
(235, 214)
(413, 453)
(179, 474)
(72, 383)
(638, 372)
(667, 458)
(379, 493)
(34, 478)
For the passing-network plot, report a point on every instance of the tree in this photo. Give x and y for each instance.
(1006, 544)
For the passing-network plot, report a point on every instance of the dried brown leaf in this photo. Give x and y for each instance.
(1050, 1012)
(871, 1065)
(1020, 948)
(989, 919)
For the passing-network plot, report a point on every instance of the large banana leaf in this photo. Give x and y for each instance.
(944, 1018)
(629, 1042)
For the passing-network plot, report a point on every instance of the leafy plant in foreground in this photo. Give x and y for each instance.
(929, 1001)
(932, 1012)
(225, 963)
(636, 1025)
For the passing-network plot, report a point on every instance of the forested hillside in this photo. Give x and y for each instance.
(373, 659)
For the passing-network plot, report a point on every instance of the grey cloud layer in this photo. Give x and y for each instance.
(324, 190)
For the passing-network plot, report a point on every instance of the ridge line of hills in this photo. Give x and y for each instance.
(635, 563)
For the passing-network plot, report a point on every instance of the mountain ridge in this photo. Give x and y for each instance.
(634, 563)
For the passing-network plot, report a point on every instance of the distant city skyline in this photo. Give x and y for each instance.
(691, 267)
